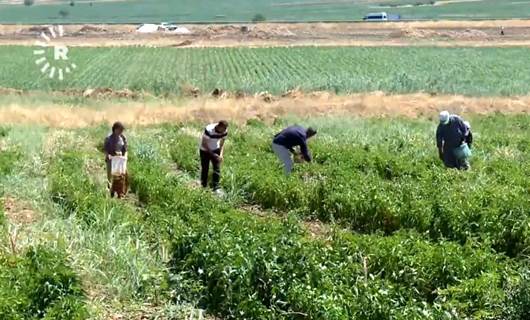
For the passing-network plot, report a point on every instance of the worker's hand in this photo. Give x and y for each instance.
(219, 158)
(298, 158)
(109, 157)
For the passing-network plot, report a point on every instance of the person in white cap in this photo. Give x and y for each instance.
(450, 136)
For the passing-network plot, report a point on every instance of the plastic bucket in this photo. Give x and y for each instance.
(462, 152)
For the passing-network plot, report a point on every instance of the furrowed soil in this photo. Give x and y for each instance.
(428, 33)
(265, 108)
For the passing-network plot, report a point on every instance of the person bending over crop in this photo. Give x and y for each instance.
(451, 137)
(285, 141)
(211, 150)
(115, 144)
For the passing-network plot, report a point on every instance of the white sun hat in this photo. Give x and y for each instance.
(444, 117)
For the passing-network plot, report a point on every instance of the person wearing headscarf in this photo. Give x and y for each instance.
(115, 144)
(450, 138)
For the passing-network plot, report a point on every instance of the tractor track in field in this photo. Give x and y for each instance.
(263, 107)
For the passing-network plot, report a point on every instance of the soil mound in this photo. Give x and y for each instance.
(106, 93)
(467, 34)
(87, 29)
(184, 43)
(10, 91)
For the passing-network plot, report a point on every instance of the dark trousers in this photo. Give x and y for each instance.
(109, 172)
(206, 158)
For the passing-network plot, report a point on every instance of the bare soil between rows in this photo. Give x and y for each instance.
(428, 33)
(265, 108)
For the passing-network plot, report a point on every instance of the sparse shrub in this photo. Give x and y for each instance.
(29, 2)
(64, 13)
(259, 18)
(3, 132)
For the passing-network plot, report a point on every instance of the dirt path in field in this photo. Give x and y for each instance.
(20, 216)
(427, 33)
(263, 107)
(19, 213)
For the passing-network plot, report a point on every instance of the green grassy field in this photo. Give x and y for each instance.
(468, 71)
(401, 237)
(245, 10)
(375, 228)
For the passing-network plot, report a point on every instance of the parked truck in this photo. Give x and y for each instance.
(381, 16)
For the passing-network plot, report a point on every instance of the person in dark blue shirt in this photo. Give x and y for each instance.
(451, 134)
(284, 143)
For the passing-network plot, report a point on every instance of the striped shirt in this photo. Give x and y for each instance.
(212, 137)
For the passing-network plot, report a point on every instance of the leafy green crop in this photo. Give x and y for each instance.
(241, 266)
(385, 176)
(39, 285)
(421, 242)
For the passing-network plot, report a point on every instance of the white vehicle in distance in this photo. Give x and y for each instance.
(166, 26)
(163, 27)
(379, 16)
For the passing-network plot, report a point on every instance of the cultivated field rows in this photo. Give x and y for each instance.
(166, 71)
(396, 245)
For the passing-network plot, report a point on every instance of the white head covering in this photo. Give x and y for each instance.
(444, 117)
